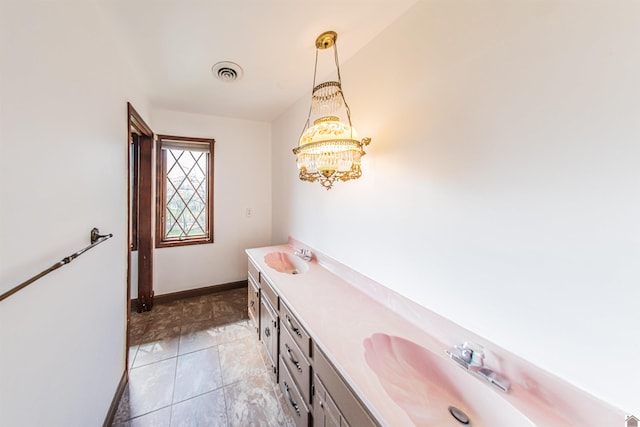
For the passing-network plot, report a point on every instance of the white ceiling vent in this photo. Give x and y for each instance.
(227, 71)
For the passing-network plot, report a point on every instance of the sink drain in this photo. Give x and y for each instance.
(460, 416)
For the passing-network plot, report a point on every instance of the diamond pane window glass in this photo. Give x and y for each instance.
(185, 187)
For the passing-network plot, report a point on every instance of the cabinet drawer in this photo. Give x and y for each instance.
(299, 335)
(253, 301)
(296, 363)
(295, 403)
(253, 271)
(268, 290)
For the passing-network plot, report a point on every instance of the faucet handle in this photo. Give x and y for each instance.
(305, 254)
(473, 354)
(467, 355)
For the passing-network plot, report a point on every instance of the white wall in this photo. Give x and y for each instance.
(502, 187)
(63, 169)
(242, 172)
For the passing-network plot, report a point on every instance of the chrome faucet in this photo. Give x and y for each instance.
(471, 358)
(467, 355)
(494, 378)
(305, 254)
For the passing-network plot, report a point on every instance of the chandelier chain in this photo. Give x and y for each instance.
(315, 71)
(346, 106)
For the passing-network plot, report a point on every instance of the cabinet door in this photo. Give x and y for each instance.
(325, 411)
(339, 404)
(269, 334)
(253, 301)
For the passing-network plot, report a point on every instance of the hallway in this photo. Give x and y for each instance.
(197, 362)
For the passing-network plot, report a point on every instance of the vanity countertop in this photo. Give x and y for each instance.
(342, 310)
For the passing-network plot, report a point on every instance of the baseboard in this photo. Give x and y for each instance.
(190, 293)
(111, 414)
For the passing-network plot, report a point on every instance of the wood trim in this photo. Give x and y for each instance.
(161, 165)
(136, 121)
(135, 124)
(211, 193)
(190, 293)
(185, 138)
(145, 227)
(128, 296)
(184, 242)
(113, 408)
(134, 200)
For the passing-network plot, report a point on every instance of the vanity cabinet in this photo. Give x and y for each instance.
(314, 392)
(334, 404)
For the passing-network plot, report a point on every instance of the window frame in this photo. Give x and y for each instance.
(161, 191)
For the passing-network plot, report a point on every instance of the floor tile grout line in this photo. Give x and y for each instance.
(175, 374)
(146, 413)
(224, 388)
(152, 363)
(133, 359)
(156, 409)
(198, 395)
(236, 316)
(173, 390)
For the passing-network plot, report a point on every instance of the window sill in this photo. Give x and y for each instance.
(185, 242)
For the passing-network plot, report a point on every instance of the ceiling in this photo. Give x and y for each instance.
(173, 45)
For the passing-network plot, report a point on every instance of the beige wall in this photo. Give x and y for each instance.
(501, 188)
(64, 85)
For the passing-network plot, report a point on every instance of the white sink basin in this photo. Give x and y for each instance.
(282, 262)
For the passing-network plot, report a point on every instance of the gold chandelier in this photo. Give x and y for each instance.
(330, 149)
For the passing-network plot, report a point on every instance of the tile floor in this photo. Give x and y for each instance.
(197, 362)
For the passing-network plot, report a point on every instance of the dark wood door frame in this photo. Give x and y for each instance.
(144, 211)
(145, 224)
